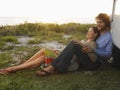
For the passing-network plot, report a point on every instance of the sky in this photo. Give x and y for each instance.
(55, 9)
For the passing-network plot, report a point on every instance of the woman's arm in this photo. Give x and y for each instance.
(78, 42)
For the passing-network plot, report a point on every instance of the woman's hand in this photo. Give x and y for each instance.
(77, 42)
(87, 49)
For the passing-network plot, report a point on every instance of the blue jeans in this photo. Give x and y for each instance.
(62, 62)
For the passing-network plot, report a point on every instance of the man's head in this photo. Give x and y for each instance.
(103, 21)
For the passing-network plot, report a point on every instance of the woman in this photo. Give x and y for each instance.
(103, 50)
(42, 56)
(91, 37)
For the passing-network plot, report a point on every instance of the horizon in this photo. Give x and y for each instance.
(21, 20)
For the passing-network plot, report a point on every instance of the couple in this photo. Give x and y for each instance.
(89, 56)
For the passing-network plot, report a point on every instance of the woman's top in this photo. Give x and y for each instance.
(104, 46)
(93, 46)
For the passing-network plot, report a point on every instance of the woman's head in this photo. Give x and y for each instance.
(103, 21)
(93, 33)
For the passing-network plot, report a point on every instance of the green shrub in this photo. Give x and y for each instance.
(12, 39)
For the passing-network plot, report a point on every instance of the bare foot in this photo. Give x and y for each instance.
(7, 71)
(3, 71)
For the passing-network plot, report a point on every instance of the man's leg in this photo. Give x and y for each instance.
(62, 62)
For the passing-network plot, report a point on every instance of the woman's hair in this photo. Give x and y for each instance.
(96, 31)
(105, 18)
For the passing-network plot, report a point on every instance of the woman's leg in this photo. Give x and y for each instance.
(36, 62)
(35, 56)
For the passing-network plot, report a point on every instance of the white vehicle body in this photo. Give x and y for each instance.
(115, 30)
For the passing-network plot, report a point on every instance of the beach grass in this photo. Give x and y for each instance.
(105, 78)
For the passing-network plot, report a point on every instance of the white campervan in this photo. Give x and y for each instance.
(115, 30)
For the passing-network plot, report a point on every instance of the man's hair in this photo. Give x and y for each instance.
(105, 18)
